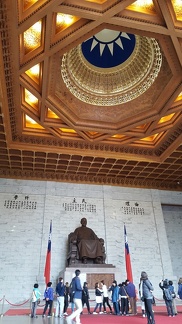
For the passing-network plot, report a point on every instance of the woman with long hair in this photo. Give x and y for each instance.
(98, 297)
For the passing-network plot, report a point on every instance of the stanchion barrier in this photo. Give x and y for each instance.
(16, 305)
(2, 309)
(162, 300)
(138, 299)
(159, 300)
(39, 305)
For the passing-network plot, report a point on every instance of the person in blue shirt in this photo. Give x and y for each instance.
(180, 288)
(49, 297)
(60, 293)
(115, 297)
(131, 291)
(77, 298)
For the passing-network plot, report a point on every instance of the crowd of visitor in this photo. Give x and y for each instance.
(116, 299)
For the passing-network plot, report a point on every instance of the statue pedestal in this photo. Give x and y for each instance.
(92, 274)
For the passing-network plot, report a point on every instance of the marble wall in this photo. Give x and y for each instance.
(26, 208)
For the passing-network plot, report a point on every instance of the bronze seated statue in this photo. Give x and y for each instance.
(84, 246)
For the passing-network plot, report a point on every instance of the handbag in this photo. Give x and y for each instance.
(98, 299)
(126, 293)
(153, 301)
(33, 297)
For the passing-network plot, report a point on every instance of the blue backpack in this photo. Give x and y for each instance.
(72, 287)
(167, 294)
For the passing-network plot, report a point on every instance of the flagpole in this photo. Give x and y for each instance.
(42, 240)
(103, 202)
(47, 270)
(127, 258)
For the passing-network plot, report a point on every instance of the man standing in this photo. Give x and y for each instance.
(49, 297)
(147, 295)
(60, 292)
(77, 298)
(131, 291)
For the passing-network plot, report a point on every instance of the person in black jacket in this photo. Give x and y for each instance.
(86, 297)
(66, 297)
(98, 297)
(167, 295)
(124, 308)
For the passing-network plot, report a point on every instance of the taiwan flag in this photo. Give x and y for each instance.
(47, 270)
(127, 258)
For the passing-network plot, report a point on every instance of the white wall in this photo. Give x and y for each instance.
(173, 225)
(24, 232)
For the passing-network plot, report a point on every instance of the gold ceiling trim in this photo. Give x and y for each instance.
(28, 3)
(32, 37)
(112, 86)
(31, 123)
(64, 21)
(177, 5)
(88, 156)
(142, 5)
(97, 1)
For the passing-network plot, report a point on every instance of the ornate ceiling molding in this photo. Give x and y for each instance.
(116, 85)
(136, 142)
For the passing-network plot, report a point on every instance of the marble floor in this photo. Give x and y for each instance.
(28, 320)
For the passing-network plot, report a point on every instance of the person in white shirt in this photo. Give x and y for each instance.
(105, 297)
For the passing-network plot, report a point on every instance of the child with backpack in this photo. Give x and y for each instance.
(35, 300)
(167, 296)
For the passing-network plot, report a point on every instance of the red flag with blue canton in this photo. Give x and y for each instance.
(127, 258)
(47, 270)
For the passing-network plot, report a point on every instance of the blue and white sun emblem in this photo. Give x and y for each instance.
(108, 48)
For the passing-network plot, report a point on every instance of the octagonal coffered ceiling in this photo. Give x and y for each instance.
(90, 90)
